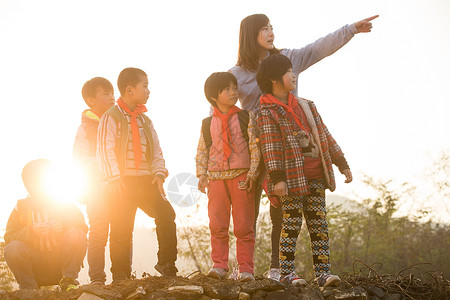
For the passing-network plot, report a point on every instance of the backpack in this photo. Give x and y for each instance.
(243, 117)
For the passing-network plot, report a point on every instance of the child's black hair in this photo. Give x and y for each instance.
(34, 172)
(129, 77)
(272, 68)
(216, 83)
(90, 87)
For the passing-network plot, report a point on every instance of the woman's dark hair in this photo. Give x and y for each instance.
(129, 77)
(272, 68)
(249, 49)
(216, 83)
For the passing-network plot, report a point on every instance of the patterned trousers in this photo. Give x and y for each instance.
(312, 206)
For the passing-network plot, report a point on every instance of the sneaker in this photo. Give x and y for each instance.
(167, 269)
(97, 283)
(119, 277)
(67, 284)
(273, 274)
(246, 276)
(328, 280)
(293, 279)
(217, 273)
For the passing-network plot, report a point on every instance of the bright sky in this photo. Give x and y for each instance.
(385, 95)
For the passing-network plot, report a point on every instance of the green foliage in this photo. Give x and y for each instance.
(194, 243)
(6, 277)
(372, 233)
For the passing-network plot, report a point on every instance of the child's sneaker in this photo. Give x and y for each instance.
(273, 274)
(246, 276)
(166, 270)
(97, 283)
(328, 280)
(67, 284)
(217, 273)
(119, 277)
(293, 279)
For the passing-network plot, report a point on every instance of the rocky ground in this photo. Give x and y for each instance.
(198, 286)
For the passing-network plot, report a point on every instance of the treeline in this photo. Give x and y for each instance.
(371, 234)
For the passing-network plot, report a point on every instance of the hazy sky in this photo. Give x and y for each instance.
(384, 96)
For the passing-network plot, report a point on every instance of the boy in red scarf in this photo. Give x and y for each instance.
(227, 159)
(298, 152)
(132, 163)
(98, 93)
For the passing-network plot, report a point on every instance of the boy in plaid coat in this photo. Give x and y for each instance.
(298, 152)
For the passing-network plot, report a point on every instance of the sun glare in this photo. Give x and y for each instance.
(66, 182)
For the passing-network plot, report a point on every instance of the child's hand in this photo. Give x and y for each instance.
(56, 226)
(202, 183)
(280, 189)
(348, 175)
(41, 229)
(159, 181)
(249, 183)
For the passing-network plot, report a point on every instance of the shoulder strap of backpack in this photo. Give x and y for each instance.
(206, 131)
(244, 118)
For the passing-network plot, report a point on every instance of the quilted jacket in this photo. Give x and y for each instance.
(282, 154)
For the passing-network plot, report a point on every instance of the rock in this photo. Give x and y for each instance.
(265, 284)
(394, 297)
(311, 295)
(375, 291)
(87, 296)
(158, 295)
(31, 294)
(326, 291)
(259, 295)
(103, 292)
(138, 294)
(222, 290)
(194, 289)
(186, 291)
(280, 295)
(293, 290)
(356, 293)
(244, 296)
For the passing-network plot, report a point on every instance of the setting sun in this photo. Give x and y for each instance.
(65, 181)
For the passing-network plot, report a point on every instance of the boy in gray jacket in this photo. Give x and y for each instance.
(132, 163)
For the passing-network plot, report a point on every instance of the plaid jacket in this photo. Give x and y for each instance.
(281, 149)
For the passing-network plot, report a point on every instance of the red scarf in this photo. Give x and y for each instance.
(292, 103)
(139, 109)
(226, 134)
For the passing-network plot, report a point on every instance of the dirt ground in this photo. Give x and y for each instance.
(201, 287)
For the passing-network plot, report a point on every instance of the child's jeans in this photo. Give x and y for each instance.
(312, 206)
(225, 197)
(97, 209)
(33, 268)
(140, 192)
